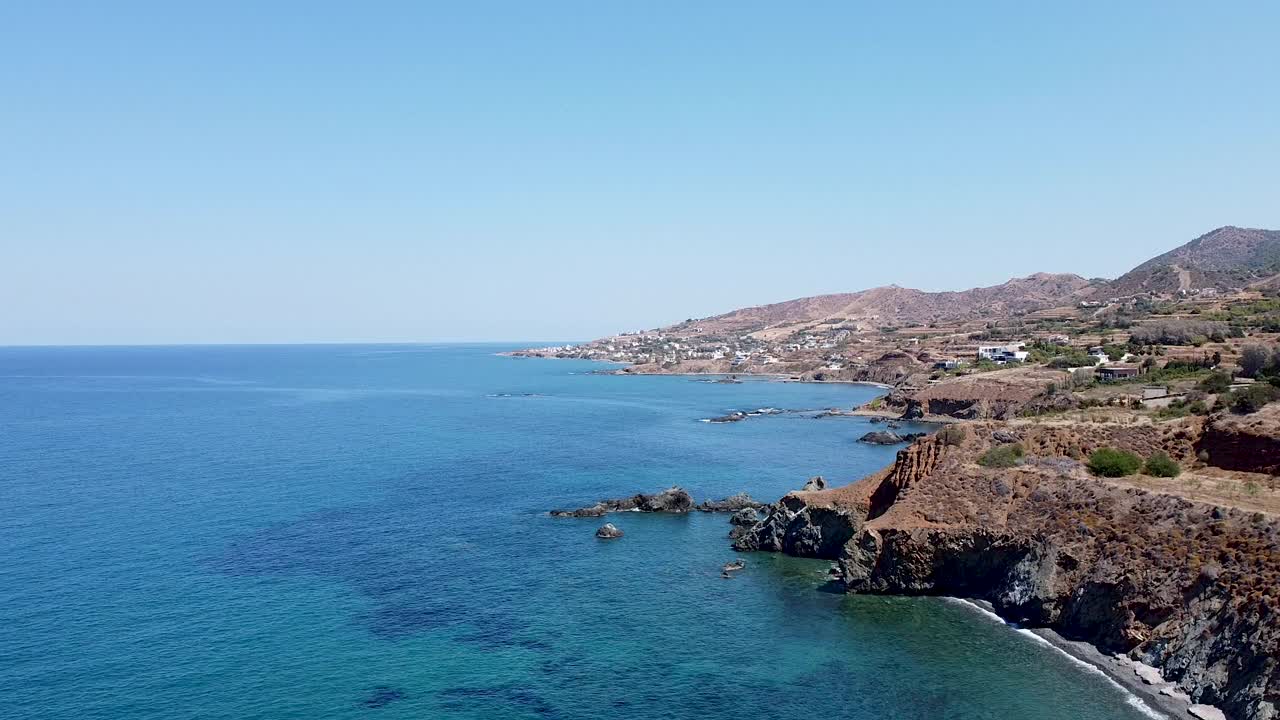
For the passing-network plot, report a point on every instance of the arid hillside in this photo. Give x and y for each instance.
(1229, 257)
(893, 305)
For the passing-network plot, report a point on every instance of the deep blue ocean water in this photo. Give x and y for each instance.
(361, 532)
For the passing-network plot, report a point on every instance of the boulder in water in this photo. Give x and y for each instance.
(881, 437)
(671, 500)
(733, 503)
(729, 568)
(608, 531)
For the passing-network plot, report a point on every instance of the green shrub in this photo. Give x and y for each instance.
(952, 435)
(1218, 382)
(1161, 465)
(1114, 352)
(1252, 398)
(1002, 456)
(1110, 462)
(1173, 411)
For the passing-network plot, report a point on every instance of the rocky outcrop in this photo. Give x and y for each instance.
(795, 527)
(1185, 587)
(817, 482)
(890, 368)
(888, 437)
(608, 531)
(998, 395)
(731, 504)
(1244, 442)
(672, 500)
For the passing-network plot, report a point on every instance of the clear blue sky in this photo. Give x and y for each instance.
(312, 171)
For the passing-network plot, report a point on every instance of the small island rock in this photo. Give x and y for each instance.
(671, 500)
(608, 531)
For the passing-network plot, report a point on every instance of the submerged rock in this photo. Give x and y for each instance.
(382, 696)
(608, 531)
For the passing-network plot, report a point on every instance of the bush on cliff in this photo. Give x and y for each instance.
(1002, 456)
(1161, 465)
(1110, 462)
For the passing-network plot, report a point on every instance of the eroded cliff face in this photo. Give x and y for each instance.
(1188, 587)
(1245, 442)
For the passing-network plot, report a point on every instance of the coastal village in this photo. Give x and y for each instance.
(1115, 339)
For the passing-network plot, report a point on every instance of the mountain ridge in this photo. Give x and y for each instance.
(1226, 258)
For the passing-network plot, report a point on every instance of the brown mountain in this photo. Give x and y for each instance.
(893, 305)
(1229, 257)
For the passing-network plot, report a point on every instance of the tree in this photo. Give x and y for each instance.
(1218, 382)
(1253, 360)
(1252, 398)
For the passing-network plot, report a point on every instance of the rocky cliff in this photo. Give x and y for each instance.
(1187, 587)
(999, 395)
(1245, 442)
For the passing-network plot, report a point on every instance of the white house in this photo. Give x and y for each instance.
(1001, 354)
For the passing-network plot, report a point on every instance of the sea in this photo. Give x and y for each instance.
(361, 532)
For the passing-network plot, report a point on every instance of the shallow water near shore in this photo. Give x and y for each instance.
(361, 532)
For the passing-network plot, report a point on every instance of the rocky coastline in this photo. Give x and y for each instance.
(1189, 588)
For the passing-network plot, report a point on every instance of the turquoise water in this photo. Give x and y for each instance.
(360, 532)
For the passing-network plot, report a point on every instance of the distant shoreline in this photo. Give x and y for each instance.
(778, 377)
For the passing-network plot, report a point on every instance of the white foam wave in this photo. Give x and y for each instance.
(1130, 698)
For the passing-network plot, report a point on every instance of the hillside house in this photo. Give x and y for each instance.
(1111, 373)
(1001, 354)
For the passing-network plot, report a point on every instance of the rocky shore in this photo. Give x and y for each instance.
(1188, 588)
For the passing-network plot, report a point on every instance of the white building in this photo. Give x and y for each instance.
(1001, 354)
